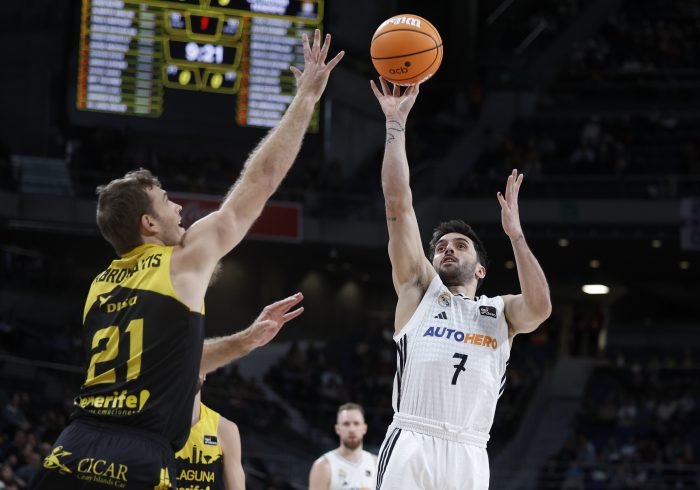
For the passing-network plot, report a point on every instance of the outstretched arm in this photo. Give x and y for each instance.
(411, 271)
(214, 236)
(526, 311)
(222, 350)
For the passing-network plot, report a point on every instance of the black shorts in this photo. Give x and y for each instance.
(92, 455)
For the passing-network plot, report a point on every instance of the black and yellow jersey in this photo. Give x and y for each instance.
(143, 348)
(200, 463)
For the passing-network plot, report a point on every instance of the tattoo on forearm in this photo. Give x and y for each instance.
(393, 128)
(518, 238)
(391, 218)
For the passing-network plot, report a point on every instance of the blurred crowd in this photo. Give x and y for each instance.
(643, 39)
(28, 427)
(637, 429)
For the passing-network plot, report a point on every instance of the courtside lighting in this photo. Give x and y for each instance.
(510, 264)
(595, 289)
(563, 242)
(594, 263)
(656, 244)
(684, 264)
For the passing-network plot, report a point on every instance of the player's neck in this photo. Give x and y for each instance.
(353, 455)
(152, 239)
(196, 410)
(467, 290)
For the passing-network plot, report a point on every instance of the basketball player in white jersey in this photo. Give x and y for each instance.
(349, 467)
(453, 346)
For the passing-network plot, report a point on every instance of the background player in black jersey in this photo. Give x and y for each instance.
(212, 454)
(143, 317)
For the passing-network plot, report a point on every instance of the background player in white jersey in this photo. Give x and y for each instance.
(453, 346)
(349, 467)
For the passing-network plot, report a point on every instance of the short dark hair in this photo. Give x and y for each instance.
(120, 205)
(351, 406)
(459, 226)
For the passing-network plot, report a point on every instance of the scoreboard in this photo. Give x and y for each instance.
(140, 57)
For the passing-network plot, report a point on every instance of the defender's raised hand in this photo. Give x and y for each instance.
(312, 81)
(393, 103)
(510, 216)
(271, 319)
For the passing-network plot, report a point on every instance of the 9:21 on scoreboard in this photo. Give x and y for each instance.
(133, 52)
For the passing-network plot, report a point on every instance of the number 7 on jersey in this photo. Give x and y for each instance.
(459, 368)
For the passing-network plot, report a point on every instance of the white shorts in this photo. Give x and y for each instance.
(409, 460)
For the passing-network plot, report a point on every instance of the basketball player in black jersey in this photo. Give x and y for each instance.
(143, 318)
(211, 457)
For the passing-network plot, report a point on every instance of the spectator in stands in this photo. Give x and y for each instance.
(28, 470)
(13, 415)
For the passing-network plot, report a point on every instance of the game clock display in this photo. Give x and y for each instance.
(133, 55)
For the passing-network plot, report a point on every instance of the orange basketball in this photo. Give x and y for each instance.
(406, 49)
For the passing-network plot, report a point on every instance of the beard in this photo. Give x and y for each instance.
(352, 445)
(457, 276)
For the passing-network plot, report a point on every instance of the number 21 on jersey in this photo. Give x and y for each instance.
(110, 336)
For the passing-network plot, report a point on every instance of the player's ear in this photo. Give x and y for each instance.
(149, 226)
(480, 272)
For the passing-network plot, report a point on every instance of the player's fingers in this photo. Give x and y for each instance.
(501, 200)
(293, 314)
(385, 86)
(331, 64)
(307, 48)
(396, 90)
(518, 183)
(286, 303)
(316, 48)
(509, 188)
(324, 49)
(296, 72)
(376, 91)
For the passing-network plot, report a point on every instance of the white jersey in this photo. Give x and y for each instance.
(451, 364)
(346, 475)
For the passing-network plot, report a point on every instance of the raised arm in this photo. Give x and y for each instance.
(526, 311)
(214, 236)
(220, 351)
(411, 270)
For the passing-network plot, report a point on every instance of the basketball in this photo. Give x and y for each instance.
(406, 49)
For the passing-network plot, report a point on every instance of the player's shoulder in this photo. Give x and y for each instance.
(323, 461)
(228, 428)
(506, 299)
(370, 456)
(498, 300)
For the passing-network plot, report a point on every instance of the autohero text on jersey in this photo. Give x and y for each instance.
(457, 336)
